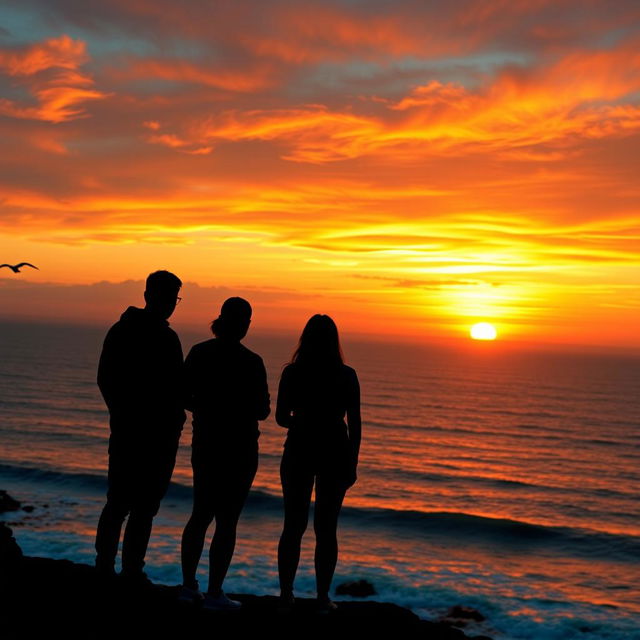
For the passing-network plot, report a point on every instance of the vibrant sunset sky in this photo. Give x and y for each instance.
(409, 167)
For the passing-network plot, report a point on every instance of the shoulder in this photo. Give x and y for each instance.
(289, 372)
(201, 348)
(205, 344)
(172, 335)
(116, 333)
(349, 371)
(171, 331)
(350, 375)
(251, 356)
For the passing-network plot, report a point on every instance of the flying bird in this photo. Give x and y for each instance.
(16, 267)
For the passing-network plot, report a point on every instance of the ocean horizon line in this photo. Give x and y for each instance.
(504, 345)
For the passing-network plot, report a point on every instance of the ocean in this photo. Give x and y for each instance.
(503, 479)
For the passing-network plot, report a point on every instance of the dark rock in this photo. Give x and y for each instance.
(78, 602)
(28, 508)
(7, 503)
(356, 588)
(464, 613)
(441, 631)
(10, 551)
(57, 598)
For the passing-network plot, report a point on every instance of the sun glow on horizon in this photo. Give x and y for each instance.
(483, 331)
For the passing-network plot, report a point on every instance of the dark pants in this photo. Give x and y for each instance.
(139, 476)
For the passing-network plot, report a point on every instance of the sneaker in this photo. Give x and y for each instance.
(325, 606)
(220, 603)
(136, 579)
(286, 603)
(105, 570)
(190, 594)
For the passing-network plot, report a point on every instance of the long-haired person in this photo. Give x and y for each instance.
(317, 390)
(228, 395)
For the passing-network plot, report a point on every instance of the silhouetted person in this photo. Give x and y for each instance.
(316, 391)
(227, 392)
(140, 377)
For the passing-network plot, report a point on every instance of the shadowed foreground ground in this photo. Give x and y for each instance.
(45, 598)
(57, 598)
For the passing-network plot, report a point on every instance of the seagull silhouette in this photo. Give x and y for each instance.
(16, 267)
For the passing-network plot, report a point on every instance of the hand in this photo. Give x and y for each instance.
(351, 476)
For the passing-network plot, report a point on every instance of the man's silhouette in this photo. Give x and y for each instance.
(140, 377)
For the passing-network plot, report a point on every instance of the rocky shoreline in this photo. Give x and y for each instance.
(45, 597)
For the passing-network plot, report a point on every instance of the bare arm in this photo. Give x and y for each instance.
(263, 407)
(354, 423)
(188, 376)
(283, 404)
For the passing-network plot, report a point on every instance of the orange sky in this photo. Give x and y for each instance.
(409, 167)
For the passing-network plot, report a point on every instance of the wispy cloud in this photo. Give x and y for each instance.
(460, 158)
(50, 71)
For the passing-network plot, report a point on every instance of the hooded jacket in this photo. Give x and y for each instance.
(140, 376)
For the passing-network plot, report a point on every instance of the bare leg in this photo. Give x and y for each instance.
(329, 497)
(229, 504)
(221, 551)
(297, 486)
(193, 542)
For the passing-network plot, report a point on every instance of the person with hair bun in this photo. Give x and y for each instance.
(227, 394)
(317, 390)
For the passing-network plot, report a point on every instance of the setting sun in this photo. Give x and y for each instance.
(483, 331)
